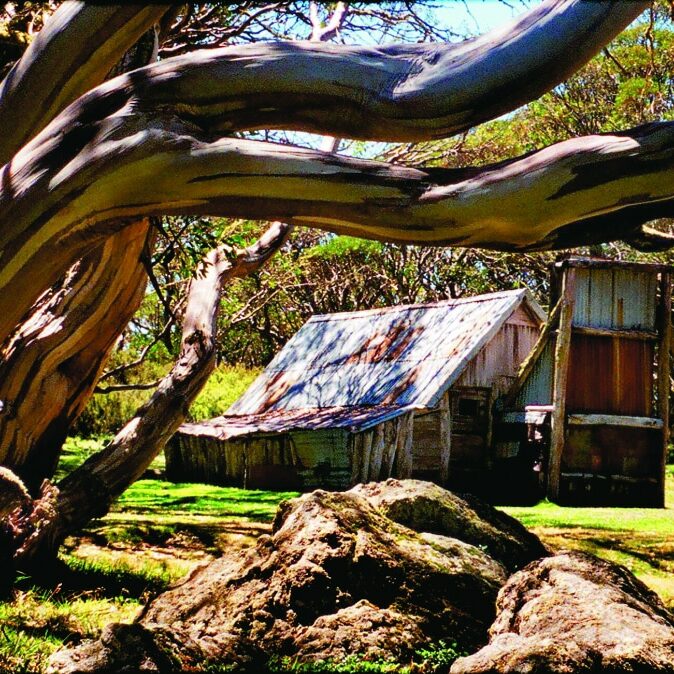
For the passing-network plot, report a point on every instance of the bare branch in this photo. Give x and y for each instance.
(114, 388)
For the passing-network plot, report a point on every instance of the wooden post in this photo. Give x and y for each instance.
(665, 330)
(377, 454)
(356, 443)
(560, 377)
(366, 451)
(391, 431)
(404, 459)
(445, 437)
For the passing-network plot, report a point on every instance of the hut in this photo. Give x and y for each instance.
(404, 391)
(592, 400)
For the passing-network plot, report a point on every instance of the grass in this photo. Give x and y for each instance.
(642, 539)
(36, 623)
(180, 499)
(158, 531)
(434, 658)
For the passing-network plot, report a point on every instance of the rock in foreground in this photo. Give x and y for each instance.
(424, 506)
(337, 577)
(574, 613)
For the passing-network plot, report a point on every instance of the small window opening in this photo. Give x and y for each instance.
(469, 407)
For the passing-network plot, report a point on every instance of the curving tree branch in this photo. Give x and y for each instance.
(594, 188)
(74, 52)
(394, 92)
(90, 489)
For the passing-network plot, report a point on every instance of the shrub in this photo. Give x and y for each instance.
(106, 413)
(224, 386)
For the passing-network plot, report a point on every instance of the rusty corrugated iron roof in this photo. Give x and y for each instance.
(405, 356)
(353, 418)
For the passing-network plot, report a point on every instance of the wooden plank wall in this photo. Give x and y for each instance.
(383, 451)
(496, 365)
(191, 458)
(304, 460)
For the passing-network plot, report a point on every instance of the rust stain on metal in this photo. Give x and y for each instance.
(387, 346)
(401, 386)
(405, 355)
(610, 375)
(276, 388)
(352, 418)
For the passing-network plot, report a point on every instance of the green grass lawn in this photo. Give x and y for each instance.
(642, 539)
(159, 530)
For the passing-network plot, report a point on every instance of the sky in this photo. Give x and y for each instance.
(478, 16)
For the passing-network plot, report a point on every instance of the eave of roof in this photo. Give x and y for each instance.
(353, 419)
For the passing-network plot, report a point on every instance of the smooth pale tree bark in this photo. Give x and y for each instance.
(95, 165)
(393, 92)
(50, 366)
(73, 53)
(588, 189)
(89, 490)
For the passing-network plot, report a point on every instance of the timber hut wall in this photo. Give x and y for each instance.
(608, 446)
(486, 377)
(611, 378)
(495, 365)
(382, 452)
(297, 460)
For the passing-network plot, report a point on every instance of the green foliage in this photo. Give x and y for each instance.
(352, 664)
(224, 386)
(339, 246)
(106, 413)
(439, 657)
(433, 658)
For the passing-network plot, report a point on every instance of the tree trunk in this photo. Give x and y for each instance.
(49, 367)
(89, 490)
(50, 364)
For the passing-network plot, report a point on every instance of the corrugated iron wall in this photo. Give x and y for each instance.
(537, 389)
(610, 375)
(615, 298)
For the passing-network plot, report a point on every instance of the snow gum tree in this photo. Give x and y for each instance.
(88, 158)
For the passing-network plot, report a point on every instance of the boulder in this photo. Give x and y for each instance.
(575, 613)
(337, 577)
(424, 506)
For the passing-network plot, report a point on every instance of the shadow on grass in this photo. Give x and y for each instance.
(75, 578)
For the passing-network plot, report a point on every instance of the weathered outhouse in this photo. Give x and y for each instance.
(403, 391)
(593, 396)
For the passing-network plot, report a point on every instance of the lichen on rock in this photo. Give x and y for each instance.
(336, 577)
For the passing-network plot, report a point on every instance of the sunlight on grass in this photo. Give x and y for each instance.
(156, 496)
(36, 623)
(76, 450)
(641, 539)
(642, 520)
